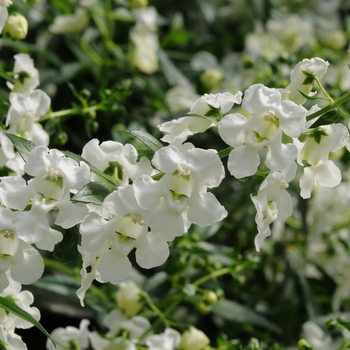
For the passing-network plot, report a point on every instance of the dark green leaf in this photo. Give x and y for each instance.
(13, 308)
(22, 145)
(67, 250)
(94, 192)
(150, 141)
(234, 311)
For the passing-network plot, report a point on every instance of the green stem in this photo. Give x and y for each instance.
(161, 315)
(323, 90)
(67, 112)
(331, 106)
(57, 266)
(225, 152)
(212, 275)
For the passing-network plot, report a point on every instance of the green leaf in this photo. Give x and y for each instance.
(99, 173)
(312, 97)
(234, 311)
(67, 250)
(146, 138)
(22, 145)
(93, 192)
(310, 77)
(12, 307)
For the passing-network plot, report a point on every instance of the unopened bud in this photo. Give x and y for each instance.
(211, 78)
(193, 339)
(16, 27)
(135, 4)
(128, 298)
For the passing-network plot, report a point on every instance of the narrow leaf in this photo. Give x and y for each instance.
(94, 192)
(12, 307)
(234, 311)
(67, 250)
(22, 145)
(146, 138)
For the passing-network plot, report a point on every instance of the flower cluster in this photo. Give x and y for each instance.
(148, 202)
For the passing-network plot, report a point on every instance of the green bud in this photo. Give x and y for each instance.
(16, 27)
(304, 345)
(135, 4)
(211, 78)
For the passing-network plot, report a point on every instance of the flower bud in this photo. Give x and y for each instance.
(210, 297)
(193, 339)
(135, 4)
(211, 78)
(16, 27)
(128, 298)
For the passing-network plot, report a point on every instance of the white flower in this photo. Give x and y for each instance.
(26, 75)
(272, 203)
(316, 65)
(178, 130)
(4, 4)
(55, 175)
(315, 151)
(182, 190)
(22, 299)
(24, 113)
(70, 23)
(271, 116)
(117, 160)
(107, 241)
(10, 340)
(145, 40)
(169, 340)
(116, 321)
(70, 337)
(23, 262)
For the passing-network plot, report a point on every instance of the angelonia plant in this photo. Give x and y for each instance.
(117, 206)
(120, 201)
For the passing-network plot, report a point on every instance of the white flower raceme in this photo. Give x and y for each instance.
(145, 51)
(281, 38)
(4, 4)
(181, 196)
(26, 75)
(178, 130)
(169, 340)
(272, 203)
(107, 241)
(70, 337)
(271, 117)
(70, 23)
(315, 65)
(22, 299)
(24, 113)
(117, 160)
(315, 151)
